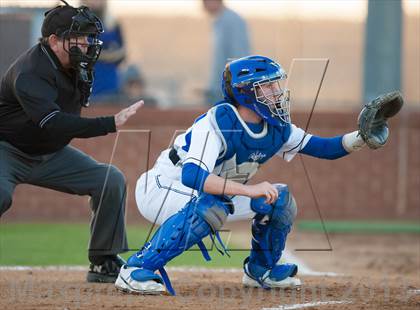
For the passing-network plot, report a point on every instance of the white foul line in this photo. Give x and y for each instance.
(43, 268)
(303, 271)
(414, 292)
(307, 305)
(85, 268)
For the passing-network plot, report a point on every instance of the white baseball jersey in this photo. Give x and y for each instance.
(208, 144)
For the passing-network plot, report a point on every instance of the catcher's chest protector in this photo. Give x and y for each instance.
(243, 150)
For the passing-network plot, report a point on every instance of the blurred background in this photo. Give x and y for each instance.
(170, 44)
(168, 52)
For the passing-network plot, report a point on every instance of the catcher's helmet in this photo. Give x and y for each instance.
(246, 81)
(68, 22)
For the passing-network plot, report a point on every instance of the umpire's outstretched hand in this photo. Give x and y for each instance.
(122, 116)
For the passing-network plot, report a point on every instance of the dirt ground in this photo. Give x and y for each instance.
(375, 272)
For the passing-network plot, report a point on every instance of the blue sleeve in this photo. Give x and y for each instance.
(326, 148)
(194, 176)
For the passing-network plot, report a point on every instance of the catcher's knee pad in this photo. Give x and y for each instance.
(282, 212)
(270, 227)
(198, 219)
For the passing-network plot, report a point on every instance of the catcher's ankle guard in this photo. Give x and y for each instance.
(261, 273)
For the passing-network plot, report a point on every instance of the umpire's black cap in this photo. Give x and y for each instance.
(65, 18)
(58, 20)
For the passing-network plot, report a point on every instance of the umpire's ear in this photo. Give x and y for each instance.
(53, 42)
(60, 48)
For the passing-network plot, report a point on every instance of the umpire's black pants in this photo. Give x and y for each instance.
(72, 171)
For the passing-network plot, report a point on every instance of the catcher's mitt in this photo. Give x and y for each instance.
(372, 121)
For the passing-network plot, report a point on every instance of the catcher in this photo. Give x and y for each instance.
(200, 183)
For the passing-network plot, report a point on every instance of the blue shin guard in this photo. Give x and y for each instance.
(201, 217)
(270, 227)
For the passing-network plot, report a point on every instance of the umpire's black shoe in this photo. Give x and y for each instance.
(106, 272)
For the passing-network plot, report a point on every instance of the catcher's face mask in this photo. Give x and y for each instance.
(274, 94)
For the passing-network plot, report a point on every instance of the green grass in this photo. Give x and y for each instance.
(361, 226)
(41, 244)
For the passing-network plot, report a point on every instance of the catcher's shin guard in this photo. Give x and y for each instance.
(199, 218)
(270, 227)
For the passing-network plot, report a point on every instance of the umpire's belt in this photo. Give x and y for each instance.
(173, 156)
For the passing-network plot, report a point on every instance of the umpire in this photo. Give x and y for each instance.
(41, 97)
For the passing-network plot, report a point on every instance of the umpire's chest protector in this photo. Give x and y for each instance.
(244, 150)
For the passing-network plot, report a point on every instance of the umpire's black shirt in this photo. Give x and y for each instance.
(40, 105)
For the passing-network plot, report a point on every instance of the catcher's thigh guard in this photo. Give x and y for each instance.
(200, 217)
(270, 227)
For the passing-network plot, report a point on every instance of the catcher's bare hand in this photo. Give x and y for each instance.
(264, 189)
(122, 116)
